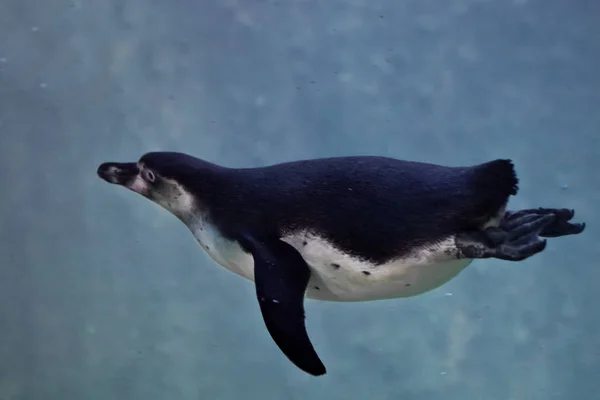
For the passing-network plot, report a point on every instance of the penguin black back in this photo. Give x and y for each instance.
(372, 207)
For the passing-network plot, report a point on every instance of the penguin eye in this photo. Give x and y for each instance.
(149, 175)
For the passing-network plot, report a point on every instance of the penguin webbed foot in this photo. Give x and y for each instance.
(559, 227)
(512, 245)
(519, 235)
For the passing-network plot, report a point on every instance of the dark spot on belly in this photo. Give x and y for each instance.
(318, 288)
(336, 266)
(407, 284)
(304, 243)
(366, 273)
(207, 247)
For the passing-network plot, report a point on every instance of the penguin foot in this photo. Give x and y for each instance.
(560, 227)
(518, 236)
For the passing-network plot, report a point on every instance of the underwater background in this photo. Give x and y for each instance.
(103, 295)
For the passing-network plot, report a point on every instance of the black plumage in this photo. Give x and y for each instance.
(375, 208)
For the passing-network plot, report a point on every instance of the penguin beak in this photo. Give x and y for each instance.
(118, 173)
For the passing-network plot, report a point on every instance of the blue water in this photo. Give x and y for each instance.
(103, 295)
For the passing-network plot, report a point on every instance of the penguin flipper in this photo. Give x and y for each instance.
(281, 276)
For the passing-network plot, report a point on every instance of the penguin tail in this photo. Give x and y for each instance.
(494, 182)
(497, 175)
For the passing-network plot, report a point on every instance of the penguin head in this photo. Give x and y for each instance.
(158, 176)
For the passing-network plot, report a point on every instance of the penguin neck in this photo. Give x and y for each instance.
(195, 192)
(189, 208)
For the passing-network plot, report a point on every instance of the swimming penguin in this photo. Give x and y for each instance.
(342, 229)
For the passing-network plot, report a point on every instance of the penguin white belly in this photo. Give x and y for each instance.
(227, 253)
(336, 276)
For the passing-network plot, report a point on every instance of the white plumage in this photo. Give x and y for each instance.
(336, 276)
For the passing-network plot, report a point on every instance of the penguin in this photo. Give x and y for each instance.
(356, 228)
